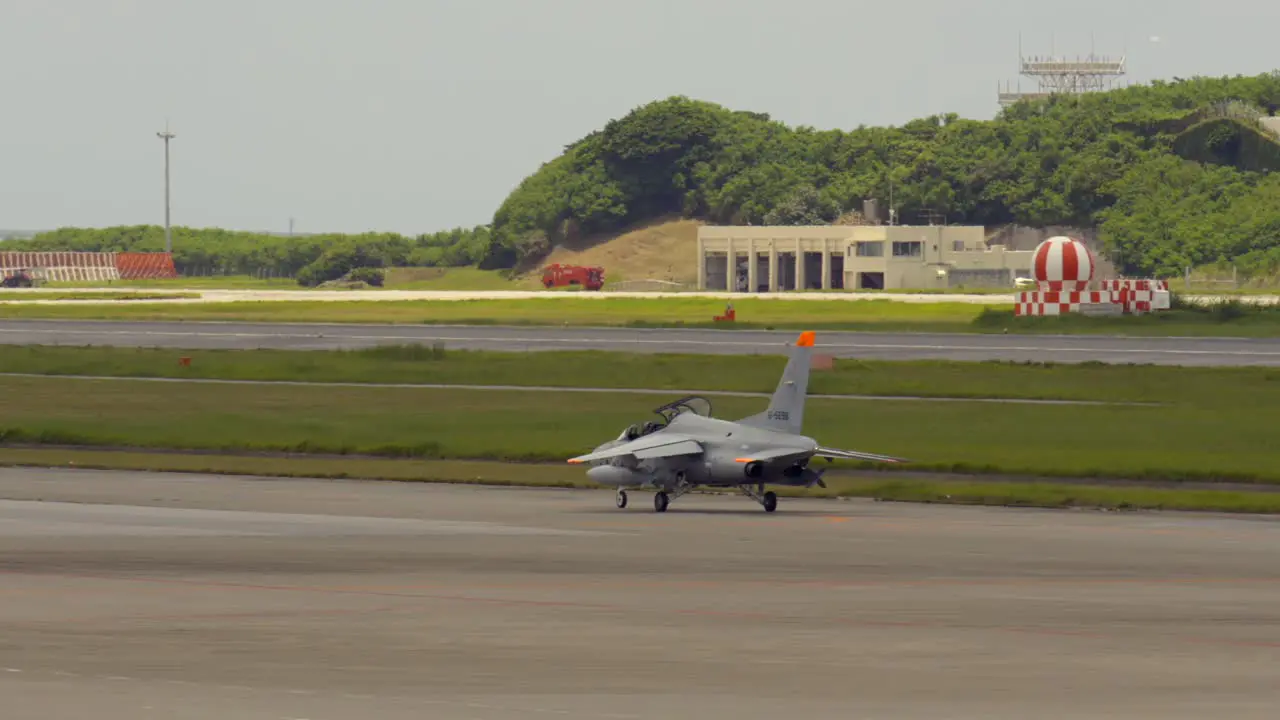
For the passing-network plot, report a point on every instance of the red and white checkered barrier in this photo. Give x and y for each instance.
(1143, 301)
(1053, 302)
(1104, 302)
(1022, 308)
(1071, 298)
(1132, 284)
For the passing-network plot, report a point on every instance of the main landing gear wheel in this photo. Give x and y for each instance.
(621, 499)
(660, 502)
(770, 502)
(767, 500)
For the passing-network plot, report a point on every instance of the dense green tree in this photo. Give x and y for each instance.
(803, 206)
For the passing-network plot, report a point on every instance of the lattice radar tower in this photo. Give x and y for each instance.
(1064, 76)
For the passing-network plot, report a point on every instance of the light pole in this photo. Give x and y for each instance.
(166, 136)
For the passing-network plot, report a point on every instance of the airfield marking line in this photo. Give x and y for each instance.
(664, 341)
(563, 389)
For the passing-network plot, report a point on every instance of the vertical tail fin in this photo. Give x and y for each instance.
(786, 408)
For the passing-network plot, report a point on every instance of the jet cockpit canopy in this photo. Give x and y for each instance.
(695, 404)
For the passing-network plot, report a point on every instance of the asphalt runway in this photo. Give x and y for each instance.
(884, 346)
(127, 595)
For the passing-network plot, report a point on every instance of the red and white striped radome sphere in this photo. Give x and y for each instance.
(1062, 263)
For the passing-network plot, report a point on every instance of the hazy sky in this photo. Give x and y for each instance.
(418, 115)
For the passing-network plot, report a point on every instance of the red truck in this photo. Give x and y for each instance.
(557, 275)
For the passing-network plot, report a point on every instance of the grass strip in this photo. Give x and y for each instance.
(597, 311)
(1215, 442)
(1223, 319)
(736, 373)
(968, 492)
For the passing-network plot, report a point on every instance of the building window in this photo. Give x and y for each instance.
(869, 249)
(914, 248)
(957, 246)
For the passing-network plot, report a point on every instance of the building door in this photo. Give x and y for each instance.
(871, 281)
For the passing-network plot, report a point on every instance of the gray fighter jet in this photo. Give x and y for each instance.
(687, 448)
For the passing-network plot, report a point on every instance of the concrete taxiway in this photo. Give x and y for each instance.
(866, 345)
(130, 595)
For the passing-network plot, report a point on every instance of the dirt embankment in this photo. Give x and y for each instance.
(666, 250)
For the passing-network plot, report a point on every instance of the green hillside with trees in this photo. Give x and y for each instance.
(1138, 163)
(1172, 174)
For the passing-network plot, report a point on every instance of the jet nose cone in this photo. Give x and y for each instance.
(609, 475)
(600, 473)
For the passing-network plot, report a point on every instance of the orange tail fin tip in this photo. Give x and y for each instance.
(805, 339)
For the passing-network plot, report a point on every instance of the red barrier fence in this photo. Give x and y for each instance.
(145, 266)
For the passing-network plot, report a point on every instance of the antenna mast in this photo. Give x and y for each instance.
(166, 136)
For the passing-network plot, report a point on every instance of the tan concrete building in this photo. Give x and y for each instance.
(854, 257)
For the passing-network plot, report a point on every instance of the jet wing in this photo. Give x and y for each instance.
(653, 446)
(833, 453)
